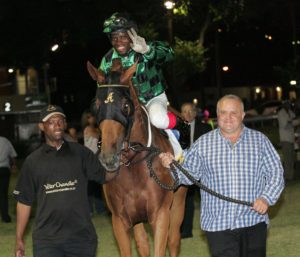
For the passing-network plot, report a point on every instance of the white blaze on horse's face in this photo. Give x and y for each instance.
(109, 98)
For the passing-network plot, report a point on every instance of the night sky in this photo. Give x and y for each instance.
(30, 28)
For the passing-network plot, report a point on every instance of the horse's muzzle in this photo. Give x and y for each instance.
(110, 162)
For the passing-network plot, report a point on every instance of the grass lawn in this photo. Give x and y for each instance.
(283, 237)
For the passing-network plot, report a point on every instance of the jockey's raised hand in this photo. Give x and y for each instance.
(138, 43)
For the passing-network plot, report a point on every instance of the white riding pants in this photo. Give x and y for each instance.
(158, 111)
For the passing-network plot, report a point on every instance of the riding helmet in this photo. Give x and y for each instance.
(118, 22)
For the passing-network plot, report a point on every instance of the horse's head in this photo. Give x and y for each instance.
(114, 111)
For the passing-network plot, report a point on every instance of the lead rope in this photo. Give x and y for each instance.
(155, 151)
(205, 188)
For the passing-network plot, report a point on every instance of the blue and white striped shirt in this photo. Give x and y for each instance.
(249, 169)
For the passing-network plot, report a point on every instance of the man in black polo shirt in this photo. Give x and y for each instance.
(55, 176)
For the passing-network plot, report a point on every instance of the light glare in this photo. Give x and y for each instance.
(169, 5)
(225, 68)
(54, 47)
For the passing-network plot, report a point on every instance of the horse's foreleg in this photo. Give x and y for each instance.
(141, 239)
(122, 234)
(160, 231)
(176, 218)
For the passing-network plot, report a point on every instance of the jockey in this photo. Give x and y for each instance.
(148, 79)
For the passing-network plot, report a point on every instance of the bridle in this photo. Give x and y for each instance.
(130, 150)
(151, 151)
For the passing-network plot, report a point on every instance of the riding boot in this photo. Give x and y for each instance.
(184, 129)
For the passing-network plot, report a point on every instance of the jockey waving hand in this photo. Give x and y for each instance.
(149, 82)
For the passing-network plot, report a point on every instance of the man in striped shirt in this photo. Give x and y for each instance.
(240, 163)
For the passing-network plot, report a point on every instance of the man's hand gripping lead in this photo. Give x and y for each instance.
(166, 159)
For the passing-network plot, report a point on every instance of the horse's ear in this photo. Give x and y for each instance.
(128, 74)
(95, 73)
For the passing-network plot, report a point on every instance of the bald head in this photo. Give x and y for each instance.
(230, 113)
(231, 97)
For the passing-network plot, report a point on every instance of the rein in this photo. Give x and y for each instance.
(175, 165)
(135, 146)
(153, 152)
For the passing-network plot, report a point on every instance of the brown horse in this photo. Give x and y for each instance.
(134, 197)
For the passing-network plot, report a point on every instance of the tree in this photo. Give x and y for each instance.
(198, 18)
(189, 59)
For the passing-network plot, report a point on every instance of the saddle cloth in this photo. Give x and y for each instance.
(175, 144)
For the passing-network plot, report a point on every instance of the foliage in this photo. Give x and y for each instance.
(206, 13)
(189, 58)
(190, 54)
(148, 31)
(229, 11)
(182, 8)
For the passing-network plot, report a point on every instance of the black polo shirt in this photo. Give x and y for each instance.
(57, 180)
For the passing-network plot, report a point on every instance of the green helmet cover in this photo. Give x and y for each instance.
(118, 22)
